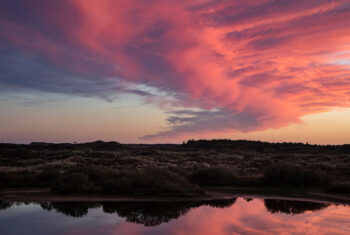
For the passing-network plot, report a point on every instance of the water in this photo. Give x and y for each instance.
(232, 216)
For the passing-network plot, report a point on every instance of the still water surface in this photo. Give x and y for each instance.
(230, 216)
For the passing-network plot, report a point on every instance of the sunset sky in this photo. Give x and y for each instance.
(156, 71)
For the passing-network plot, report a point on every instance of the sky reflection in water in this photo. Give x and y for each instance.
(233, 216)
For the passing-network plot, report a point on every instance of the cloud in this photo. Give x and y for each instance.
(245, 65)
(26, 71)
(189, 122)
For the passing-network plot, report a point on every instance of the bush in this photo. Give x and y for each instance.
(151, 182)
(98, 174)
(49, 175)
(214, 176)
(20, 179)
(73, 183)
(339, 188)
(294, 176)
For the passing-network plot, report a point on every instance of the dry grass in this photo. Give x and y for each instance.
(246, 159)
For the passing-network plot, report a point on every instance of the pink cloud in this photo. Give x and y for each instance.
(268, 62)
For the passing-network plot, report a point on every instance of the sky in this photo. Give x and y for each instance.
(159, 71)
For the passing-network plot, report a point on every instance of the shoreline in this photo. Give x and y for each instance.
(44, 195)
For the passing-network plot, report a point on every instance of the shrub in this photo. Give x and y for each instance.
(151, 182)
(49, 175)
(339, 188)
(250, 181)
(19, 179)
(73, 183)
(98, 174)
(294, 176)
(214, 176)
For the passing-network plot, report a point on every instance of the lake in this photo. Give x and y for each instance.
(228, 216)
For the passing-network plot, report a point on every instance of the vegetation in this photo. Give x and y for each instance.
(294, 176)
(158, 182)
(214, 176)
(176, 170)
(73, 183)
(150, 182)
(343, 187)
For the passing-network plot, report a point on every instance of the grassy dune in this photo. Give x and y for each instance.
(174, 170)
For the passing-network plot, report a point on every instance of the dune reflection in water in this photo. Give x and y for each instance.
(232, 216)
